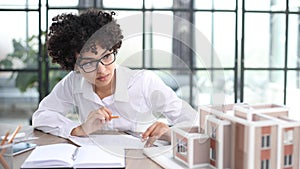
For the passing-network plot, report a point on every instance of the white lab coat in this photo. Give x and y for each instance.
(139, 98)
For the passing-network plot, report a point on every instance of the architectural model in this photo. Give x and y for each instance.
(240, 136)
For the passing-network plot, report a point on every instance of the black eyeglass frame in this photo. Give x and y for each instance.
(114, 53)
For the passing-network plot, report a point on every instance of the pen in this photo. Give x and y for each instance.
(138, 135)
(74, 155)
(134, 134)
(156, 142)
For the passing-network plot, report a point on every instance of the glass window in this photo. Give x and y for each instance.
(131, 53)
(265, 141)
(219, 31)
(263, 40)
(158, 42)
(19, 49)
(293, 41)
(266, 5)
(294, 5)
(213, 132)
(288, 137)
(149, 44)
(212, 154)
(18, 97)
(263, 86)
(159, 4)
(64, 3)
(19, 4)
(288, 160)
(293, 91)
(215, 4)
(122, 4)
(265, 164)
(182, 147)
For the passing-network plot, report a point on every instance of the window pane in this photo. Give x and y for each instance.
(14, 102)
(293, 91)
(273, 5)
(224, 37)
(264, 44)
(290, 159)
(131, 52)
(19, 49)
(215, 87)
(179, 81)
(215, 4)
(158, 39)
(294, 5)
(159, 4)
(122, 4)
(263, 87)
(293, 41)
(19, 4)
(268, 141)
(219, 30)
(203, 34)
(64, 3)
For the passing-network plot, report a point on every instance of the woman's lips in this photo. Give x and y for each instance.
(103, 78)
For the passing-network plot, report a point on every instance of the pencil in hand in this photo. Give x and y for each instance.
(114, 117)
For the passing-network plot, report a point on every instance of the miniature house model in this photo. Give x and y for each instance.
(240, 136)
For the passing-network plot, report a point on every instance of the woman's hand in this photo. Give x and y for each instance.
(93, 122)
(157, 130)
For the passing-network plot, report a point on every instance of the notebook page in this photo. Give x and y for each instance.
(121, 141)
(51, 155)
(90, 156)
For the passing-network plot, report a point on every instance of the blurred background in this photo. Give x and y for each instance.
(247, 50)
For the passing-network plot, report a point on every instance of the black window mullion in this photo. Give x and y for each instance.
(286, 50)
(236, 55)
(40, 57)
(242, 53)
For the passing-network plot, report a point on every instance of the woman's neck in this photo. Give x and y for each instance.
(107, 90)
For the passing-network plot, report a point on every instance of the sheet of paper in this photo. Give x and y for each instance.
(123, 141)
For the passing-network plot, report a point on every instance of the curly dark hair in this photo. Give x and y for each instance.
(69, 34)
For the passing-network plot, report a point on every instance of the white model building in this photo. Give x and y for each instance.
(240, 136)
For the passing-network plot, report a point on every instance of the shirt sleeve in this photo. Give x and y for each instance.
(50, 117)
(161, 98)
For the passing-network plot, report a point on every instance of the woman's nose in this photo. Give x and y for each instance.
(101, 68)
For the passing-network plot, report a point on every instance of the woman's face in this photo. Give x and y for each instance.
(98, 68)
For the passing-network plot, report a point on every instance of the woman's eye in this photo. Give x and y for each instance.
(106, 56)
(88, 64)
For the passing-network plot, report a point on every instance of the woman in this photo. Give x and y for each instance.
(99, 89)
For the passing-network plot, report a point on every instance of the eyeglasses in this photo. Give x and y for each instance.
(91, 66)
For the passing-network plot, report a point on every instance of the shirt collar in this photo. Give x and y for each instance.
(84, 87)
(124, 77)
(123, 83)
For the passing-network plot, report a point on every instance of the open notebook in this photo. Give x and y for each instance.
(65, 155)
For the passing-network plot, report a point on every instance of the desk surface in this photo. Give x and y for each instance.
(45, 139)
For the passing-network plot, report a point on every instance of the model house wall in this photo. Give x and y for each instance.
(191, 147)
(248, 136)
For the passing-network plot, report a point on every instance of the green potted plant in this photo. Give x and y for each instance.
(25, 55)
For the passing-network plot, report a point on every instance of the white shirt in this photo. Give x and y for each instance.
(140, 96)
